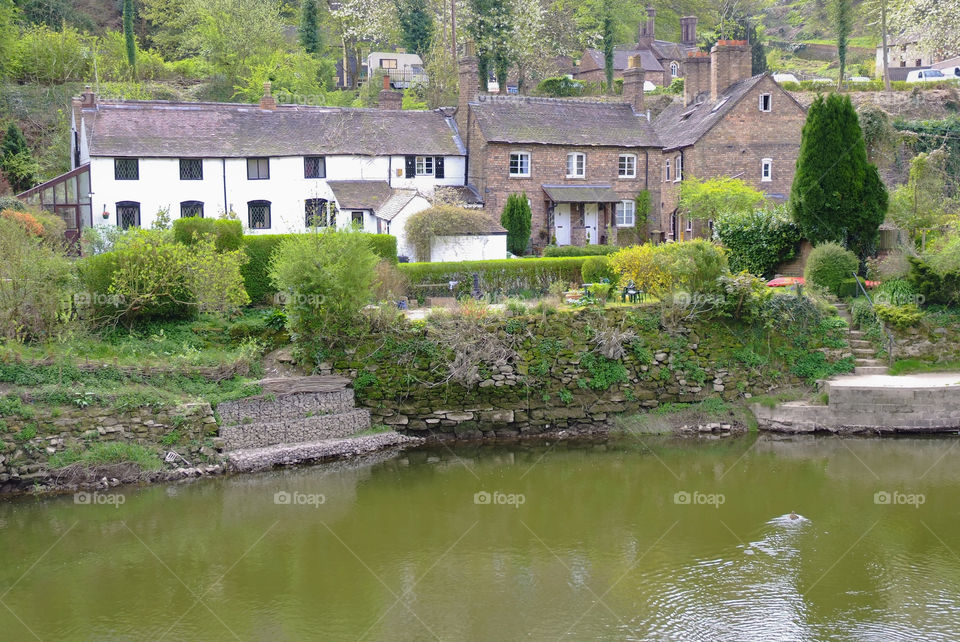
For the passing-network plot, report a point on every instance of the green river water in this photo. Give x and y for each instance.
(652, 538)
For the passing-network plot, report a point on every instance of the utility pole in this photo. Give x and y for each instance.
(453, 27)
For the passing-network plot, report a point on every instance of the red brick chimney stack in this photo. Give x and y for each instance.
(696, 75)
(633, 78)
(469, 85)
(388, 98)
(730, 63)
(267, 101)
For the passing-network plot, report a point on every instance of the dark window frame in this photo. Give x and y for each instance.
(186, 174)
(118, 174)
(320, 170)
(320, 215)
(193, 204)
(268, 215)
(128, 205)
(261, 162)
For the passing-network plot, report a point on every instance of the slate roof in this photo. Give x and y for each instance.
(581, 193)
(399, 200)
(557, 121)
(361, 195)
(621, 57)
(680, 126)
(210, 130)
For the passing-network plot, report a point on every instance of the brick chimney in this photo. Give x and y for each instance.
(729, 63)
(646, 31)
(390, 99)
(696, 75)
(688, 30)
(469, 86)
(633, 77)
(267, 101)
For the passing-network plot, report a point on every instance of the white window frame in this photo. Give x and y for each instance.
(666, 170)
(519, 156)
(425, 166)
(578, 161)
(627, 172)
(769, 98)
(689, 229)
(674, 69)
(628, 207)
(766, 170)
(678, 169)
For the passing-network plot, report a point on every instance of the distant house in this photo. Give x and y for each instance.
(404, 69)
(662, 60)
(904, 52)
(729, 124)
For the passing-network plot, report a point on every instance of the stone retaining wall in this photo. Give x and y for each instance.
(295, 430)
(266, 409)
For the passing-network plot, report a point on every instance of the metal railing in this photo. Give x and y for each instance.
(889, 335)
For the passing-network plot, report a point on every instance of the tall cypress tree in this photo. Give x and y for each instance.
(128, 35)
(608, 45)
(516, 218)
(309, 29)
(842, 20)
(416, 25)
(837, 195)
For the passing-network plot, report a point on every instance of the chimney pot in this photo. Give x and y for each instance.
(268, 101)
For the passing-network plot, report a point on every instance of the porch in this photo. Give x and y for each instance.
(581, 214)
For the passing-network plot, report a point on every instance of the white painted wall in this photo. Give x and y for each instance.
(469, 248)
(160, 187)
(398, 225)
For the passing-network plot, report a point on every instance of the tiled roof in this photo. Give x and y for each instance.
(361, 195)
(556, 121)
(622, 56)
(399, 200)
(581, 194)
(168, 129)
(679, 125)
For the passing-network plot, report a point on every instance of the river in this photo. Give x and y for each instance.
(650, 538)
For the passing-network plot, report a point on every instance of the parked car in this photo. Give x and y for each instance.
(859, 79)
(952, 73)
(926, 75)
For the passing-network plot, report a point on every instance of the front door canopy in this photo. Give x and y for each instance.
(581, 194)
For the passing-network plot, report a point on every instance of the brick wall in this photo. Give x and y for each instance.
(490, 163)
(737, 144)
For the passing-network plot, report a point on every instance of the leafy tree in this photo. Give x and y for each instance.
(309, 28)
(516, 218)
(416, 25)
(840, 13)
(922, 204)
(741, 27)
(8, 34)
(708, 199)
(837, 195)
(487, 25)
(829, 265)
(128, 36)
(608, 46)
(935, 19)
(16, 161)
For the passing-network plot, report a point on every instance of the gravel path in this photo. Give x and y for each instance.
(250, 459)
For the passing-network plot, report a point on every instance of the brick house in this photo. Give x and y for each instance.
(662, 60)
(581, 163)
(729, 124)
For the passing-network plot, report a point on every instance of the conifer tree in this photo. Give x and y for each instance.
(837, 195)
(309, 30)
(516, 218)
(416, 25)
(129, 39)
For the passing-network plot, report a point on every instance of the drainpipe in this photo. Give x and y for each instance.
(226, 209)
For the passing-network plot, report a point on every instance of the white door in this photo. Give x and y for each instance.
(590, 222)
(561, 223)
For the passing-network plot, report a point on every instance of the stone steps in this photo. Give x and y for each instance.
(870, 370)
(860, 343)
(868, 362)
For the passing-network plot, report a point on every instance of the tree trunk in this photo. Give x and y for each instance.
(346, 63)
(883, 29)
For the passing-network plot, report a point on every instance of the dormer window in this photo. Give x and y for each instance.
(766, 102)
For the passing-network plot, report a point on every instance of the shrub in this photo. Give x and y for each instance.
(36, 282)
(440, 220)
(228, 234)
(560, 86)
(504, 276)
(327, 278)
(516, 219)
(896, 292)
(384, 246)
(899, 316)
(828, 265)
(576, 250)
(44, 56)
(390, 284)
(644, 265)
(758, 240)
(597, 268)
(848, 288)
(862, 313)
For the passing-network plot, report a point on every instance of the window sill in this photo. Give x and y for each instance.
(627, 178)
(619, 225)
(766, 180)
(519, 176)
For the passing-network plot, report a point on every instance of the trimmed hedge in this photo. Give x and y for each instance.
(575, 250)
(260, 248)
(507, 276)
(228, 233)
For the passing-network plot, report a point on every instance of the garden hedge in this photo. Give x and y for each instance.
(506, 276)
(228, 233)
(576, 250)
(260, 247)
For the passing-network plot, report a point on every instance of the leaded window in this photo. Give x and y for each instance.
(314, 167)
(128, 214)
(126, 169)
(191, 169)
(191, 208)
(258, 215)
